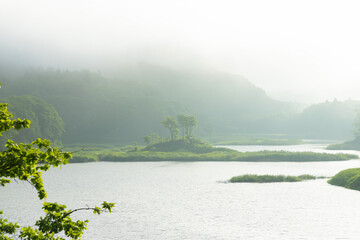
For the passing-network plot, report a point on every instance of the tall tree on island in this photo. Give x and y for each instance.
(187, 124)
(171, 124)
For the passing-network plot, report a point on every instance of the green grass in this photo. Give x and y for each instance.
(349, 178)
(92, 152)
(253, 178)
(264, 156)
(184, 145)
(194, 150)
(77, 158)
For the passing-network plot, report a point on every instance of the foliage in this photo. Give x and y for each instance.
(187, 124)
(151, 139)
(27, 162)
(92, 152)
(224, 156)
(136, 147)
(196, 150)
(147, 140)
(171, 124)
(81, 158)
(349, 178)
(253, 178)
(184, 145)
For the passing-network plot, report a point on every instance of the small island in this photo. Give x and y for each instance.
(349, 178)
(188, 148)
(193, 150)
(253, 178)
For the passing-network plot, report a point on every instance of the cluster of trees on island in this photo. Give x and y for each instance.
(185, 122)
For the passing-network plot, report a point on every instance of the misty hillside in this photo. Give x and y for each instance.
(123, 107)
(327, 120)
(93, 109)
(227, 103)
(206, 89)
(133, 103)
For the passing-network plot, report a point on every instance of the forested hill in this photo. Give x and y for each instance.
(327, 120)
(131, 104)
(123, 107)
(226, 103)
(207, 90)
(93, 109)
(45, 121)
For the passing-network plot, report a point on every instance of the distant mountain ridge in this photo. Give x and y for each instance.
(129, 104)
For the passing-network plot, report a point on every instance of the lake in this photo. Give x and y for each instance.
(174, 200)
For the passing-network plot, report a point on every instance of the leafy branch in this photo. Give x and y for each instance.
(27, 162)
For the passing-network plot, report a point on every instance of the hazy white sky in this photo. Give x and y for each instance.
(296, 50)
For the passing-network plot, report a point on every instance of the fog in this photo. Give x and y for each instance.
(305, 51)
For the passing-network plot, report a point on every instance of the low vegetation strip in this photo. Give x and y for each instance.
(253, 178)
(185, 145)
(264, 156)
(349, 178)
(193, 150)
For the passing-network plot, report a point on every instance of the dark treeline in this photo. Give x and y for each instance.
(124, 107)
(45, 120)
(93, 108)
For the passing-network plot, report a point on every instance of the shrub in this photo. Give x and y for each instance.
(253, 178)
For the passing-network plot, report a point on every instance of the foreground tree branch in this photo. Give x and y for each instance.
(27, 162)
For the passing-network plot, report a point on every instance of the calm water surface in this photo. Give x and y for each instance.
(315, 147)
(172, 200)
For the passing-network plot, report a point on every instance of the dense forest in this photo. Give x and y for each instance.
(121, 107)
(45, 120)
